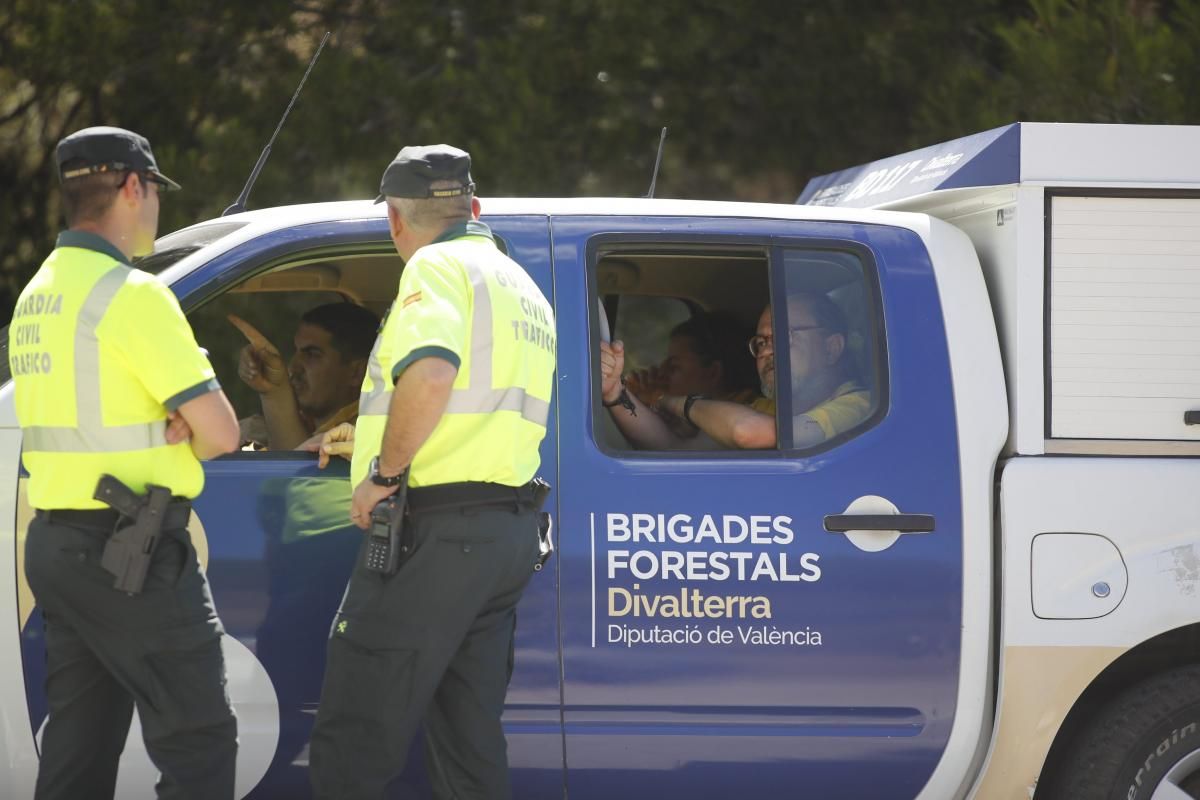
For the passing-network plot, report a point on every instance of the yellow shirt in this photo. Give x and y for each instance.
(849, 405)
(347, 413)
(462, 300)
(100, 352)
(764, 405)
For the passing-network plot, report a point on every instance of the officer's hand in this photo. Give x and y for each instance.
(177, 428)
(612, 362)
(260, 365)
(337, 441)
(366, 496)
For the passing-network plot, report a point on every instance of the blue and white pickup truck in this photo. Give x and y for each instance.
(748, 623)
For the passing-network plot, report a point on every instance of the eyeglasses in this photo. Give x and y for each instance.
(761, 344)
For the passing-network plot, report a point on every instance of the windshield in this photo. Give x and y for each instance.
(174, 246)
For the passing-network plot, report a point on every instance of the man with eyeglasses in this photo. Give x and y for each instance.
(826, 400)
(109, 380)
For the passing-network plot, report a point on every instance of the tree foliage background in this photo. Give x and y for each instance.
(556, 97)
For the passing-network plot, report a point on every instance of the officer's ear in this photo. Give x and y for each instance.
(131, 189)
(395, 223)
(474, 207)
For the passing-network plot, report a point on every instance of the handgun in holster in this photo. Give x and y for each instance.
(389, 540)
(128, 552)
(545, 527)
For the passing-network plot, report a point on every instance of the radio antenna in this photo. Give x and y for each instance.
(239, 205)
(662, 139)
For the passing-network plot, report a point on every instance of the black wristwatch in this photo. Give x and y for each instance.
(687, 408)
(382, 480)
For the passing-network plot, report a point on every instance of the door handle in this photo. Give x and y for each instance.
(905, 523)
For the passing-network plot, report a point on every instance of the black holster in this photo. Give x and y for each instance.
(541, 490)
(128, 552)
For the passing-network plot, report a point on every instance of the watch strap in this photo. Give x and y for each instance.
(383, 480)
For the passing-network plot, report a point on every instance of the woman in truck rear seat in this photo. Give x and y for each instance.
(706, 355)
(826, 398)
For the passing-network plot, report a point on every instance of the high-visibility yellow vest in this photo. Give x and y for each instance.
(99, 353)
(462, 300)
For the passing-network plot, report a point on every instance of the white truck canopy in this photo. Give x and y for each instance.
(1027, 153)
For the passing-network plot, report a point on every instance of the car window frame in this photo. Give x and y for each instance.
(612, 243)
(772, 247)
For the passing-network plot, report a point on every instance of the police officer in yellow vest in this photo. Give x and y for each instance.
(109, 380)
(458, 393)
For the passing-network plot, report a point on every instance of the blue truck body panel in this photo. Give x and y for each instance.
(836, 674)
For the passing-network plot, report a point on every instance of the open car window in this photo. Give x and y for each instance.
(790, 363)
(275, 303)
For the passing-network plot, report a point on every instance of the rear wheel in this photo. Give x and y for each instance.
(1143, 745)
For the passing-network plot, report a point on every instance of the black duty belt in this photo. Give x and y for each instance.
(445, 496)
(106, 519)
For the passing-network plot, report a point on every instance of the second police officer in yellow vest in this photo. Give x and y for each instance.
(458, 393)
(109, 380)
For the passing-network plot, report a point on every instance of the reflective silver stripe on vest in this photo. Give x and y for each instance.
(109, 439)
(90, 433)
(375, 401)
(471, 401)
(482, 340)
(479, 397)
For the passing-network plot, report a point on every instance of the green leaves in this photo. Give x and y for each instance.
(555, 98)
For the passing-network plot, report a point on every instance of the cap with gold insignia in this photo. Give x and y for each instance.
(108, 149)
(415, 168)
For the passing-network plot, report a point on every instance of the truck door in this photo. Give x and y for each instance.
(742, 622)
(275, 533)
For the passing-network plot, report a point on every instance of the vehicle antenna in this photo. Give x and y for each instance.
(239, 205)
(657, 161)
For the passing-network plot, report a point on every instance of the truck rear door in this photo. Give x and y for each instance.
(741, 623)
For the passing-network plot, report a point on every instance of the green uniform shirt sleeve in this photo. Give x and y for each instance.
(154, 337)
(433, 308)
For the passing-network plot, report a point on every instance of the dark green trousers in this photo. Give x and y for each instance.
(434, 644)
(107, 651)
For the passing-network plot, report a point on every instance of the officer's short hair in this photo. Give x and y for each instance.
(434, 212)
(352, 328)
(89, 197)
